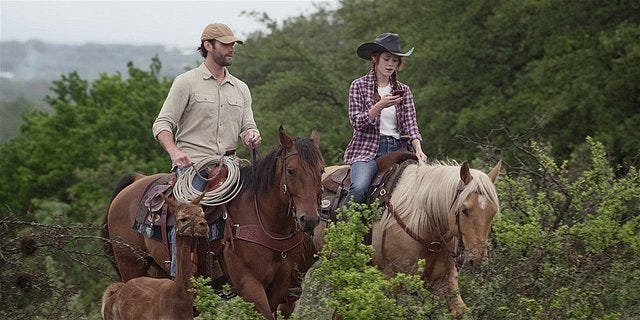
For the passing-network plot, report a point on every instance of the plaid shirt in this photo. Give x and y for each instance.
(366, 133)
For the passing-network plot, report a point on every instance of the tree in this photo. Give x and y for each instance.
(109, 119)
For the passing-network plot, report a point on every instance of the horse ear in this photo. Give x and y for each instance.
(465, 175)
(197, 200)
(315, 137)
(170, 201)
(493, 174)
(285, 140)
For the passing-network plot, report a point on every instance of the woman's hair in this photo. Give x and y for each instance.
(394, 76)
(203, 50)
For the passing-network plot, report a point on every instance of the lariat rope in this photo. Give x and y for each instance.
(185, 192)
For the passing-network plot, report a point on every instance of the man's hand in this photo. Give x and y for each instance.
(179, 158)
(252, 139)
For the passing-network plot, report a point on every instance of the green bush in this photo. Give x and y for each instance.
(565, 245)
(212, 307)
(354, 288)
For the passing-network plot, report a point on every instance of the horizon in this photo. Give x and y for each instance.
(133, 23)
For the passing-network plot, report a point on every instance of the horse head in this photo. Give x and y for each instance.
(190, 220)
(472, 212)
(301, 170)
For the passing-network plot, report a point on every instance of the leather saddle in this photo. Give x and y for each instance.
(154, 218)
(336, 185)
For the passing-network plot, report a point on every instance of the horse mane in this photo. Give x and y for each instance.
(260, 176)
(425, 193)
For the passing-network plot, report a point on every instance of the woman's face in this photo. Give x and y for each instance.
(387, 64)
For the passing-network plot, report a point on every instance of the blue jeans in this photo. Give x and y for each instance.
(199, 183)
(362, 172)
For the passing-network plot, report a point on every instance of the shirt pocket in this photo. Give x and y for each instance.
(203, 104)
(235, 108)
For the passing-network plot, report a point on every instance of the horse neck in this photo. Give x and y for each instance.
(182, 281)
(275, 217)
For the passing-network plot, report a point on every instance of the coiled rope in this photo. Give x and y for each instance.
(185, 192)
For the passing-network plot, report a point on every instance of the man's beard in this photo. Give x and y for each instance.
(222, 60)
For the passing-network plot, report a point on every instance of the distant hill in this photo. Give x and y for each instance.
(45, 61)
(27, 70)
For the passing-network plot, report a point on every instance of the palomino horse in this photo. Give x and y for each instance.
(261, 245)
(436, 212)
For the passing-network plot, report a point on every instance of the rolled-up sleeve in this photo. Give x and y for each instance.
(358, 110)
(173, 107)
(409, 120)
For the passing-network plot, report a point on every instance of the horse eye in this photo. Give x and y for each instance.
(290, 172)
(465, 211)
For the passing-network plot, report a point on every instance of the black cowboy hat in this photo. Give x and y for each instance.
(386, 42)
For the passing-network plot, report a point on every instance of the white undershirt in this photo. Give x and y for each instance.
(388, 125)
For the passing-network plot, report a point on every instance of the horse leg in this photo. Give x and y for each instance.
(444, 279)
(456, 304)
(130, 264)
(243, 282)
(253, 292)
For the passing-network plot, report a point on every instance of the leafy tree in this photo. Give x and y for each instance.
(109, 119)
(290, 73)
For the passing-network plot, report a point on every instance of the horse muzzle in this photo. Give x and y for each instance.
(308, 222)
(473, 257)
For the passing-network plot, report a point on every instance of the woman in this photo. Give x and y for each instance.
(381, 111)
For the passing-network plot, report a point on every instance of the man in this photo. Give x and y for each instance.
(209, 107)
(210, 110)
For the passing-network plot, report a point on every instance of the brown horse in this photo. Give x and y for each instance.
(438, 213)
(261, 245)
(153, 298)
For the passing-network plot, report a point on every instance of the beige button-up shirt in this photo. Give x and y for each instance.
(209, 118)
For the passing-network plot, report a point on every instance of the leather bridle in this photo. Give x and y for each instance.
(433, 246)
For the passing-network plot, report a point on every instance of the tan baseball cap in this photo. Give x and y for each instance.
(220, 32)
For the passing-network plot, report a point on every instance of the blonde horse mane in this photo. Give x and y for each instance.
(425, 193)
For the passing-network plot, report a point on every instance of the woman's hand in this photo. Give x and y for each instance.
(422, 157)
(386, 101)
(390, 100)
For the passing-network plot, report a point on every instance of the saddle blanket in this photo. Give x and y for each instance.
(149, 217)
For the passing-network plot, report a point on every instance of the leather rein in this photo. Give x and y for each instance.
(432, 246)
(258, 233)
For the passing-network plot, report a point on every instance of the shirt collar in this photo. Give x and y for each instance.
(206, 74)
(369, 77)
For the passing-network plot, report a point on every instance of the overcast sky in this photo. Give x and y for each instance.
(171, 23)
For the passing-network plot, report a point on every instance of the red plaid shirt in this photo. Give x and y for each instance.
(366, 134)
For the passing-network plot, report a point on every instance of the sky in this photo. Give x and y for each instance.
(170, 23)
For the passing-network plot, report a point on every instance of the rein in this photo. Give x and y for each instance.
(427, 244)
(258, 233)
(460, 246)
(444, 238)
(290, 205)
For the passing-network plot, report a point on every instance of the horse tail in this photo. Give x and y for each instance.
(104, 232)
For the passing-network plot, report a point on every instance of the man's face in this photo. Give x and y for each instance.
(222, 53)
